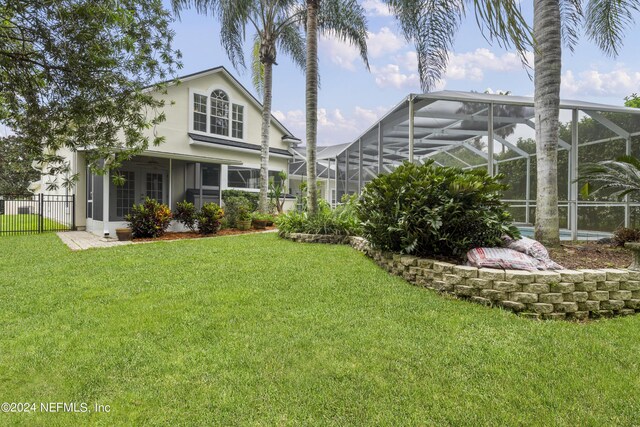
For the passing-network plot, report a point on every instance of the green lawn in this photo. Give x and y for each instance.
(27, 223)
(253, 330)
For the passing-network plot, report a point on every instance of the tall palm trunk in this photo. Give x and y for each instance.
(312, 104)
(547, 60)
(263, 203)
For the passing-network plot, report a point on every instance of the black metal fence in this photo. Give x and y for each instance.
(36, 213)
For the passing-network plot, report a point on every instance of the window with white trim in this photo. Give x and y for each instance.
(154, 186)
(219, 113)
(237, 118)
(216, 114)
(199, 112)
(125, 194)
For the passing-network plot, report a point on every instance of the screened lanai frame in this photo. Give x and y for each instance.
(450, 126)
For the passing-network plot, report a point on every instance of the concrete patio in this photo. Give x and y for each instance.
(80, 240)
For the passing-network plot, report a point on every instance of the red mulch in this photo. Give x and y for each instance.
(191, 235)
(590, 255)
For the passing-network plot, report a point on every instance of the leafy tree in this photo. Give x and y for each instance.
(16, 170)
(346, 20)
(632, 101)
(75, 74)
(277, 28)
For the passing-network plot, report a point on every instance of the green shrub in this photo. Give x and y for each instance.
(257, 216)
(187, 214)
(234, 207)
(250, 197)
(340, 221)
(624, 235)
(209, 218)
(149, 219)
(434, 211)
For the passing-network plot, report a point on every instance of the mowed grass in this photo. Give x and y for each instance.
(253, 330)
(28, 222)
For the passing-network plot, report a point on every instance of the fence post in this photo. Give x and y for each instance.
(41, 213)
(73, 210)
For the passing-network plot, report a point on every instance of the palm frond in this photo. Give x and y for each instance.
(607, 20)
(346, 20)
(570, 17)
(431, 25)
(291, 42)
(257, 67)
(622, 176)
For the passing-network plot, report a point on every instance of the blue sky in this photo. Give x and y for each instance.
(351, 98)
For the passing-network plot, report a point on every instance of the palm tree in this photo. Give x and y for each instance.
(431, 24)
(277, 28)
(344, 19)
(554, 21)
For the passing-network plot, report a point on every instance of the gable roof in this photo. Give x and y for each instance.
(243, 89)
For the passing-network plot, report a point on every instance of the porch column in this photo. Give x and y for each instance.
(170, 182)
(105, 203)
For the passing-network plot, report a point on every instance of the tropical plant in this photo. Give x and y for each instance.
(434, 211)
(76, 76)
(209, 218)
(277, 191)
(623, 235)
(186, 214)
(149, 219)
(244, 214)
(250, 197)
(346, 20)
(276, 25)
(621, 177)
(341, 221)
(233, 207)
(258, 216)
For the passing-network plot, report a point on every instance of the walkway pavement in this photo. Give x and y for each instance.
(80, 240)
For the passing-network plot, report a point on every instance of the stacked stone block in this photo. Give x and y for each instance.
(559, 294)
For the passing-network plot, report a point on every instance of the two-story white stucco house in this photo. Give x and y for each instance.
(212, 143)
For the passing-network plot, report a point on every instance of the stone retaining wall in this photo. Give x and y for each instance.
(559, 294)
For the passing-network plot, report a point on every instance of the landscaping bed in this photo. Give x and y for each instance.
(590, 255)
(193, 235)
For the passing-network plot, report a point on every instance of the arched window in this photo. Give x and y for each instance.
(219, 112)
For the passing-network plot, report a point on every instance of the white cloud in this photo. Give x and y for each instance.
(403, 74)
(347, 56)
(340, 53)
(618, 82)
(384, 42)
(391, 75)
(376, 8)
(335, 126)
(473, 65)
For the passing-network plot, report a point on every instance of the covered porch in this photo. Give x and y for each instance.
(168, 178)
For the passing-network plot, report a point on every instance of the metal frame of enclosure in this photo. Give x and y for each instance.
(454, 129)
